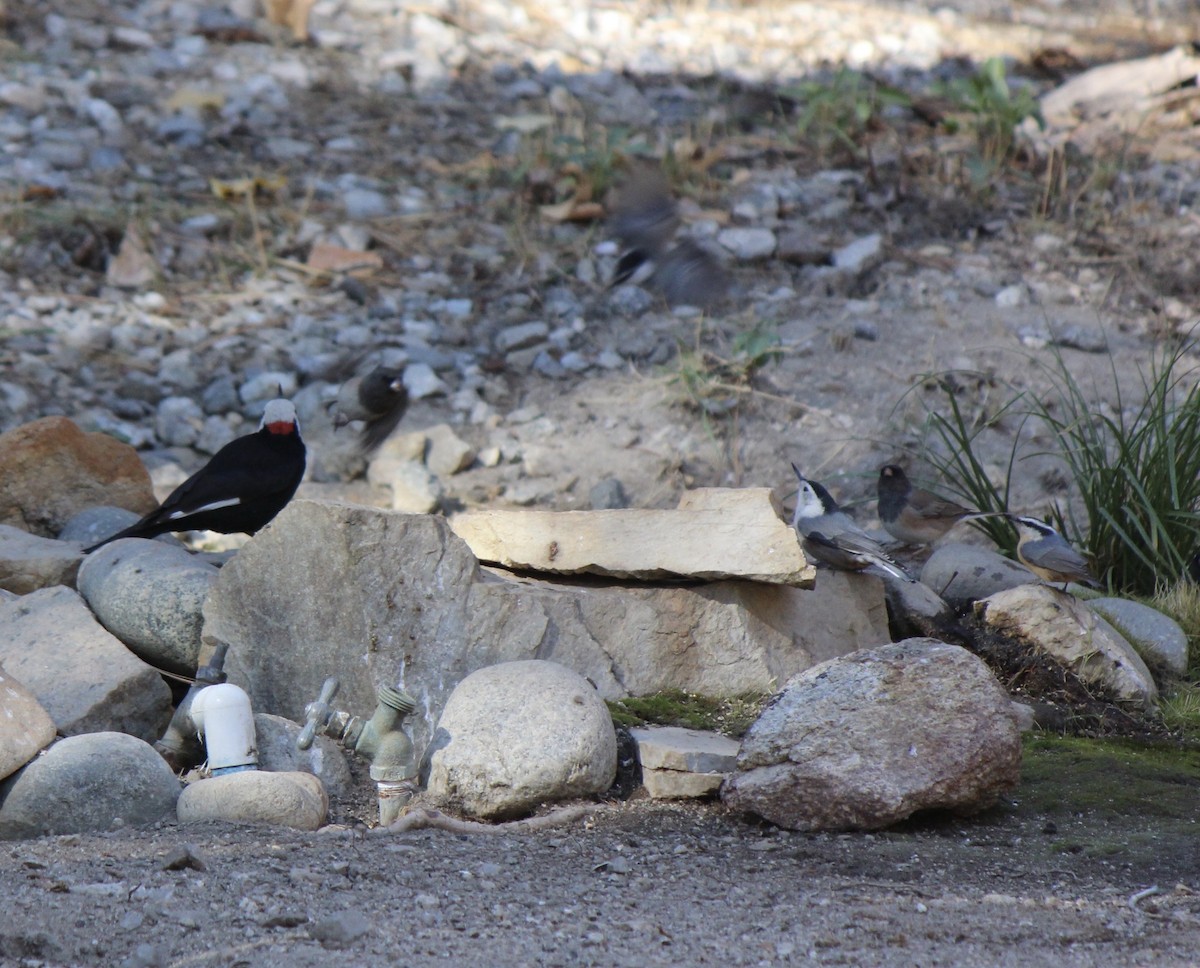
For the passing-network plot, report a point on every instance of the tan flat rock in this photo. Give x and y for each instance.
(715, 533)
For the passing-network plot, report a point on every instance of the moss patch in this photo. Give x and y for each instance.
(1111, 798)
(730, 715)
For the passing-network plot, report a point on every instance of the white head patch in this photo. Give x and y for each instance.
(279, 411)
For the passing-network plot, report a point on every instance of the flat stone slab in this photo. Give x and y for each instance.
(715, 533)
(679, 784)
(692, 750)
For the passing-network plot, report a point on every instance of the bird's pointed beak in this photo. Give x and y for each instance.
(798, 473)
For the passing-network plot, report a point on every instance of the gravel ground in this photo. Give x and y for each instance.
(435, 134)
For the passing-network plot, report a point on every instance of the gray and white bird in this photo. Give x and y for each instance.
(915, 516)
(378, 398)
(1048, 554)
(830, 535)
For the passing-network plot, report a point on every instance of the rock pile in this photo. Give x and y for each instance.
(507, 670)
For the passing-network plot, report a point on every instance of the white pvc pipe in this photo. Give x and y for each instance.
(225, 722)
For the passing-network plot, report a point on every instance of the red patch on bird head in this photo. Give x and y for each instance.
(282, 427)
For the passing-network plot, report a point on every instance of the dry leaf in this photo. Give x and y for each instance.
(333, 258)
(133, 266)
(573, 210)
(241, 187)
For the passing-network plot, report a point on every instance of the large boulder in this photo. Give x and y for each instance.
(384, 598)
(149, 594)
(52, 469)
(519, 734)
(96, 781)
(1060, 626)
(25, 727)
(83, 676)
(864, 741)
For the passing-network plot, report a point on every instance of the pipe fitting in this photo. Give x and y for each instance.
(180, 745)
(225, 721)
(380, 740)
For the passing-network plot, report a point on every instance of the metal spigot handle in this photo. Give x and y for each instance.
(316, 714)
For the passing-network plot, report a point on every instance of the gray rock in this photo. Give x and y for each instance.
(447, 453)
(962, 574)
(680, 784)
(1157, 637)
(341, 929)
(748, 244)
(277, 753)
(296, 800)
(859, 254)
(386, 598)
(521, 336)
(92, 524)
(1062, 627)
(88, 782)
(149, 595)
(692, 750)
(178, 421)
(415, 490)
(25, 726)
(83, 676)
(864, 741)
(518, 734)
(28, 562)
(363, 203)
(608, 495)
(267, 386)
(421, 381)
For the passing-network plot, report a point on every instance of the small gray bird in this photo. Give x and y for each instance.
(1048, 555)
(830, 535)
(915, 516)
(378, 398)
(645, 218)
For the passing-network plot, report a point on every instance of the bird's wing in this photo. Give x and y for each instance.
(854, 551)
(932, 506)
(1058, 556)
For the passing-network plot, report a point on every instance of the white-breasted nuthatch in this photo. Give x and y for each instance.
(1048, 554)
(915, 516)
(830, 535)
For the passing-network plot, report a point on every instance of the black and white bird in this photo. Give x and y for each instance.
(245, 484)
(645, 220)
(830, 535)
(915, 516)
(378, 398)
(1048, 554)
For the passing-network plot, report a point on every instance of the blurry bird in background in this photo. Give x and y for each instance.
(645, 219)
(378, 398)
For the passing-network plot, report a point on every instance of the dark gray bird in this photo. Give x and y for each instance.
(916, 516)
(378, 398)
(645, 219)
(830, 535)
(1048, 555)
(245, 484)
